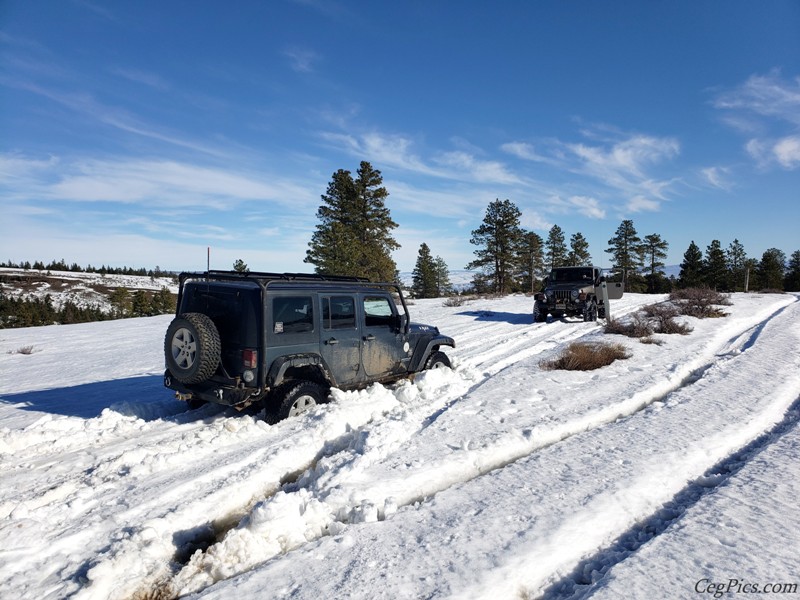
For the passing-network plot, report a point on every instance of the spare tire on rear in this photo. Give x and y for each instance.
(192, 347)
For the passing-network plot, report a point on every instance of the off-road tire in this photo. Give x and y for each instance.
(539, 315)
(590, 311)
(295, 398)
(438, 360)
(192, 348)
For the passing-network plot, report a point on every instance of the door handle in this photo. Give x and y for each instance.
(332, 342)
(369, 338)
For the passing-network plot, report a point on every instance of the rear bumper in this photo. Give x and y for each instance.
(219, 392)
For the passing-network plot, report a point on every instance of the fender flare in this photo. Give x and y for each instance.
(281, 365)
(420, 359)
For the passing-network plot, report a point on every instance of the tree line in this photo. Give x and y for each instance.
(354, 237)
(32, 311)
(61, 265)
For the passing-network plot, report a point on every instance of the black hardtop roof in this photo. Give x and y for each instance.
(282, 280)
(583, 267)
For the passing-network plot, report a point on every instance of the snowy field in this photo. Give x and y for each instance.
(672, 474)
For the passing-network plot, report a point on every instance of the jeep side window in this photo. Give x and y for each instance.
(292, 314)
(378, 312)
(338, 312)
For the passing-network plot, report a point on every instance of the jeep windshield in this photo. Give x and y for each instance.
(576, 275)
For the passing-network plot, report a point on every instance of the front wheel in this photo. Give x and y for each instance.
(438, 360)
(539, 313)
(590, 311)
(297, 398)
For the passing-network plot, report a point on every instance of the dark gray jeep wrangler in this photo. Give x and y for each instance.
(574, 292)
(283, 340)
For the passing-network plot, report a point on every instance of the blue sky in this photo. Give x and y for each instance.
(140, 133)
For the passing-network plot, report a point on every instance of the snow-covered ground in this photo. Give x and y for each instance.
(670, 474)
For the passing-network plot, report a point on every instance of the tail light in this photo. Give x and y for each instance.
(250, 358)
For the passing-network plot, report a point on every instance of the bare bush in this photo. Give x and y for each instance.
(454, 301)
(637, 327)
(700, 302)
(662, 317)
(586, 356)
(651, 340)
(22, 350)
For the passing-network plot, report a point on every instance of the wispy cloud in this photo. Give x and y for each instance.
(718, 177)
(767, 107)
(301, 59)
(148, 182)
(147, 78)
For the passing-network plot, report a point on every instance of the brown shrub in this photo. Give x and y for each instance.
(699, 302)
(638, 327)
(586, 356)
(662, 316)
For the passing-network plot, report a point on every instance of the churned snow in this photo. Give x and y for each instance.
(663, 475)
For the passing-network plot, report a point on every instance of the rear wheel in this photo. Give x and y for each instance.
(297, 398)
(192, 347)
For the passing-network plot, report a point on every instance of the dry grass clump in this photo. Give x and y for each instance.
(586, 356)
(22, 350)
(637, 327)
(662, 316)
(455, 301)
(700, 302)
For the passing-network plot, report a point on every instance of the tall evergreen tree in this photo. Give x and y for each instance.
(691, 274)
(443, 285)
(772, 269)
(654, 249)
(792, 281)
(579, 251)
(735, 261)
(240, 266)
(715, 267)
(498, 239)
(555, 248)
(424, 275)
(531, 260)
(354, 236)
(625, 249)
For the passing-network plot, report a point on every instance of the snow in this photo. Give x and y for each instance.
(673, 469)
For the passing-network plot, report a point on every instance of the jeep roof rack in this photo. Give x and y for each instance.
(262, 276)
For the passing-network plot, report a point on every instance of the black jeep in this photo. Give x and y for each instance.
(575, 291)
(284, 339)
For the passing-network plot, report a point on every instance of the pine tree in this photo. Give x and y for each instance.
(715, 267)
(532, 260)
(354, 234)
(443, 285)
(735, 260)
(691, 274)
(424, 275)
(792, 281)
(498, 239)
(654, 250)
(772, 269)
(579, 251)
(555, 248)
(625, 249)
(240, 266)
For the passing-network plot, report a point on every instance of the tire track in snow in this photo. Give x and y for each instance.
(316, 494)
(588, 574)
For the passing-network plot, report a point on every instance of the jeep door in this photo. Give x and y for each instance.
(340, 344)
(383, 343)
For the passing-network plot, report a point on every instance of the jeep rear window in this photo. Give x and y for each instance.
(338, 312)
(292, 314)
(235, 312)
